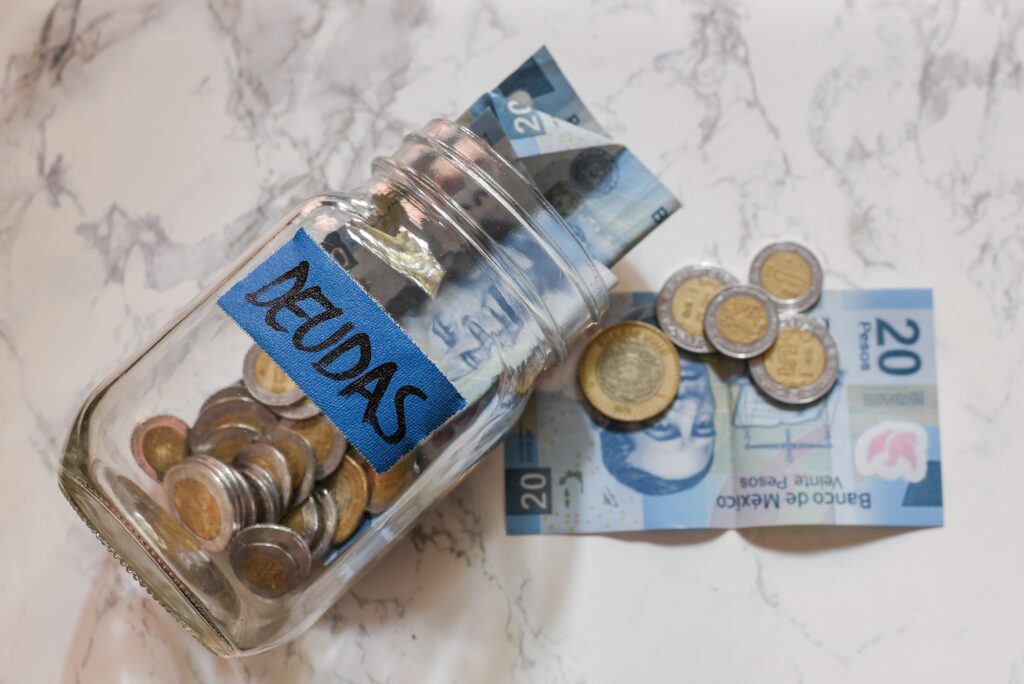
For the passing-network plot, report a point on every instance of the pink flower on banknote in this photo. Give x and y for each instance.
(893, 451)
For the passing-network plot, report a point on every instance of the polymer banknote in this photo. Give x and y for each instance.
(724, 456)
(602, 190)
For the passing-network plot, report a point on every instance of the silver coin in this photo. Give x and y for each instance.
(275, 463)
(236, 391)
(247, 505)
(328, 508)
(795, 370)
(230, 412)
(300, 410)
(789, 273)
(684, 298)
(741, 321)
(328, 443)
(301, 460)
(203, 497)
(275, 390)
(271, 560)
(225, 442)
(265, 492)
(304, 519)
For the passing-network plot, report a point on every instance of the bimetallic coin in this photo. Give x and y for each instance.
(683, 300)
(385, 488)
(803, 364)
(271, 560)
(328, 444)
(328, 510)
(301, 410)
(265, 492)
(246, 505)
(741, 321)
(203, 497)
(630, 371)
(351, 492)
(230, 412)
(789, 273)
(236, 391)
(159, 443)
(266, 381)
(305, 520)
(224, 443)
(274, 462)
(301, 461)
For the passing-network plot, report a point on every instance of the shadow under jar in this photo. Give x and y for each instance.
(477, 269)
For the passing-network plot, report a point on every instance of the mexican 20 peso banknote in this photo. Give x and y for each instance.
(724, 456)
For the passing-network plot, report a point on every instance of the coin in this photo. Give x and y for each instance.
(236, 391)
(224, 443)
(270, 560)
(683, 300)
(630, 371)
(265, 492)
(274, 462)
(328, 444)
(789, 273)
(351, 492)
(741, 321)
(300, 410)
(202, 497)
(304, 519)
(803, 364)
(301, 461)
(246, 506)
(159, 443)
(328, 517)
(244, 412)
(388, 486)
(266, 381)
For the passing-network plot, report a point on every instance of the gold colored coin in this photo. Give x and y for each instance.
(328, 444)
(691, 301)
(786, 275)
(742, 319)
(265, 571)
(270, 376)
(630, 371)
(385, 488)
(197, 508)
(351, 492)
(159, 443)
(797, 359)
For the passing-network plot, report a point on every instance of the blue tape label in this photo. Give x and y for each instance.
(345, 352)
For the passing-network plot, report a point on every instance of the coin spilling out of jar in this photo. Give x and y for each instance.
(630, 371)
(244, 478)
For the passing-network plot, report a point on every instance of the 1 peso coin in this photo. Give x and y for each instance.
(271, 560)
(629, 371)
(225, 442)
(351, 492)
(386, 487)
(328, 517)
(305, 520)
(266, 381)
(741, 321)
(159, 443)
(789, 273)
(328, 443)
(204, 496)
(301, 460)
(274, 463)
(803, 364)
(683, 300)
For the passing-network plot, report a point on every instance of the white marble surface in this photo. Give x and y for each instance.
(143, 143)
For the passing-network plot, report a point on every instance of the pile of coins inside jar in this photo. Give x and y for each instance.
(630, 371)
(263, 475)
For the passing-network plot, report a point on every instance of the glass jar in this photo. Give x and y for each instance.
(464, 254)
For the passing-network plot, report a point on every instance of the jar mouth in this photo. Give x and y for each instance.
(524, 202)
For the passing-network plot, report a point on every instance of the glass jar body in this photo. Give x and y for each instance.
(476, 269)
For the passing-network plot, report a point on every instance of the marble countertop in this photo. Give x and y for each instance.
(143, 144)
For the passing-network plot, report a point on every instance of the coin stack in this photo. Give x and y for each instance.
(626, 372)
(263, 475)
